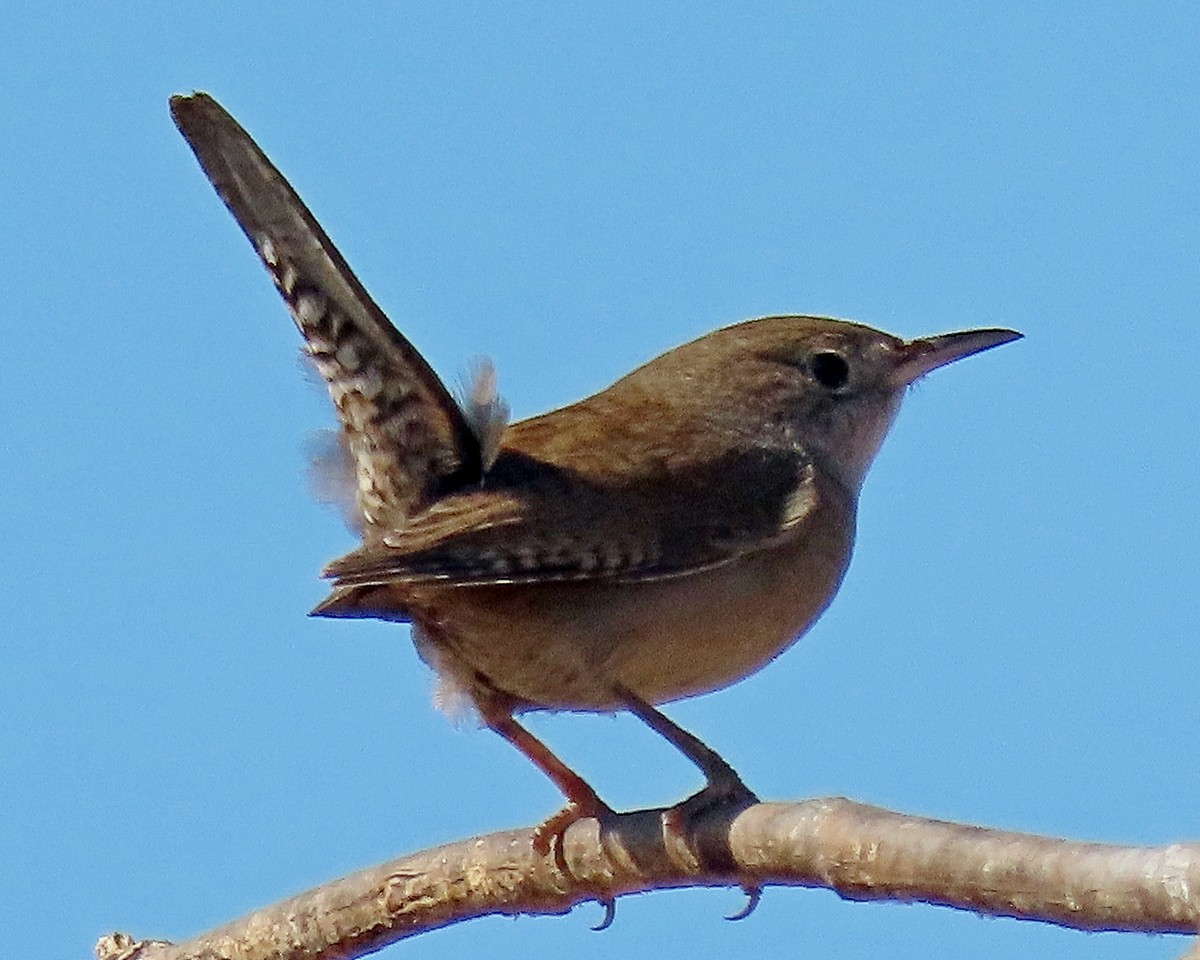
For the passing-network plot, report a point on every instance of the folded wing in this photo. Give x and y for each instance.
(535, 523)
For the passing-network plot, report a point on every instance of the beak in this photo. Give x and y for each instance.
(919, 357)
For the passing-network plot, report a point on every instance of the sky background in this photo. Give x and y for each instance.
(572, 189)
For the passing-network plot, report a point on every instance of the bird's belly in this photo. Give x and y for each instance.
(564, 646)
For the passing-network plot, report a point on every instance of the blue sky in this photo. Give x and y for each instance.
(571, 189)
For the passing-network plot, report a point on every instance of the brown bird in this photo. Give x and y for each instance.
(663, 538)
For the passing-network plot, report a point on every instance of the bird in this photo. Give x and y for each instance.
(661, 539)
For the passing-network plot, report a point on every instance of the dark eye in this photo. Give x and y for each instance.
(830, 369)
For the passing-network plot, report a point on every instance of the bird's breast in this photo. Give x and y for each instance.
(562, 646)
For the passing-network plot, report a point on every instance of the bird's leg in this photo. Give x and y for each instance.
(582, 800)
(724, 785)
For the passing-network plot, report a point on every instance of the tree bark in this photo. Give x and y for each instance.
(858, 851)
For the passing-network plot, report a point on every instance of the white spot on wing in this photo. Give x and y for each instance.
(801, 501)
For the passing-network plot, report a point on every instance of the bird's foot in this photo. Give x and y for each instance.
(725, 792)
(549, 834)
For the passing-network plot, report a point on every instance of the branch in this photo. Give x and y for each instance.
(858, 851)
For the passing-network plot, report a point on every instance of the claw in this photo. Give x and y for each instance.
(549, 834)
(610, 913)
(753, 896)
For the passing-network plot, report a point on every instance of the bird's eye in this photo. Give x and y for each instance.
(830, 369)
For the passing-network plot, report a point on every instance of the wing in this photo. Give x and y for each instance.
(536, 523)
(407, 438)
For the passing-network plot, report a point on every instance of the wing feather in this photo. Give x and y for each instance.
(558, 527)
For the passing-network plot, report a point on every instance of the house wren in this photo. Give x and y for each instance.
(661, 539)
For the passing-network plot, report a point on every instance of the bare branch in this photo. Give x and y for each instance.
(858, 851)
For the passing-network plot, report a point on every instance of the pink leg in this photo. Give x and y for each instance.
(582, 800)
